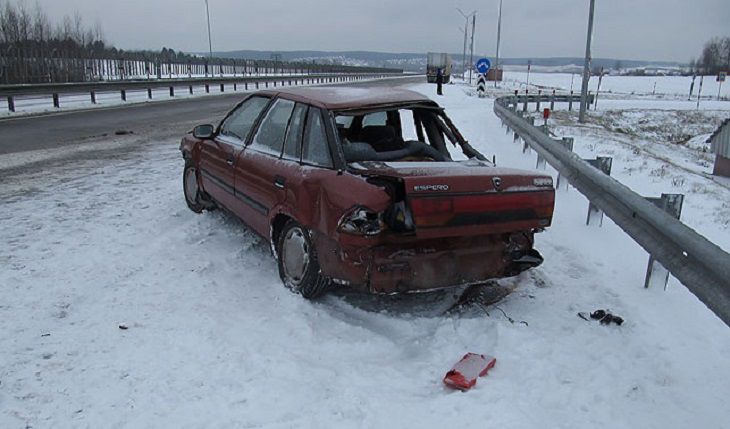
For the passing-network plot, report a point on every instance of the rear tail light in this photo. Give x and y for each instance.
(361, 221)
(399, 218)
(437, 211)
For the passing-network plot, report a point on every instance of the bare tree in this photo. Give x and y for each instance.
(715, 56)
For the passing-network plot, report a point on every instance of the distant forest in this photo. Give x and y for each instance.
(715, 57)
(23, 27)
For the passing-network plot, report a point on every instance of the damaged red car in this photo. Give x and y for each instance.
(373, 188)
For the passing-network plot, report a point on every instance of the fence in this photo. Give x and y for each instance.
(13, 92)
(703, 267)
(21, 65)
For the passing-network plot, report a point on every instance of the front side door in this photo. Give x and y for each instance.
(218, 155)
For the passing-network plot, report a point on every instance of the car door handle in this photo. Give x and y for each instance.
(229, 161)
(279, 182)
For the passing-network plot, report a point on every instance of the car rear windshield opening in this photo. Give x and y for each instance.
(407, 134)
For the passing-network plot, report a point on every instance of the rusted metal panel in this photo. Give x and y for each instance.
(720, 140)
(722, 166)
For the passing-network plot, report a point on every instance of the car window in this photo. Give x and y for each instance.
(239, 123)
(270, 136)
(408, 125)
(344, 121)
(377, 118)
(293, 142)
(315, 149)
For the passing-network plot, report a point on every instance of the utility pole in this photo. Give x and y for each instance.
(499, 33)
(463, 55)
(471, 50)
(586, 67)
(466, 30)
(210, 41)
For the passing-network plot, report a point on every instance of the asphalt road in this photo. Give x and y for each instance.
(67, 128)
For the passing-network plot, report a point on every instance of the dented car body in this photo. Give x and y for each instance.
(371, 188)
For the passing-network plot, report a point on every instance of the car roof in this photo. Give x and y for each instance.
(349, 98)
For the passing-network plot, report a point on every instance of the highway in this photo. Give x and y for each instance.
(70, 128)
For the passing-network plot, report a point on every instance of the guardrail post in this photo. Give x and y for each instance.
(274, 83)
(570, 102)
(566, 142)
(282, 83)
(172, 91)
(525, 146)
(223, 87)
(190, 89)
(266, 84)
(56, 102)
(124, 94)
(552, 102)
(514, 104)
(149, 93)
(524, 107)
(539, 96)
(656, 274)
(207, 88)
(11, 103)
(595, 215)
(92, 93)
(257, 85)
(235, 87)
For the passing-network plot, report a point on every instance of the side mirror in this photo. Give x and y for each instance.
(203, 131)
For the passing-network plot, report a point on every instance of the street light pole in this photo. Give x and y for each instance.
(466, 30)
(210, 42)
(463, 54)
(586, 68)
(471, 50)
(499, 33)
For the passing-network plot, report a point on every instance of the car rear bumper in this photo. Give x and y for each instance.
(421, 265)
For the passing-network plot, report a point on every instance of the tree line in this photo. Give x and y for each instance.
(33, 49)
(715, 57)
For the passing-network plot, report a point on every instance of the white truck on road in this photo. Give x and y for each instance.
(436, 61)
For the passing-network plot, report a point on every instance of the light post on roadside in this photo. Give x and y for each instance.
(210, 41)
(499, 34)
(586, 67)
(466, 30)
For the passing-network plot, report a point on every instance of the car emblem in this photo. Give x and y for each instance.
(497, 182)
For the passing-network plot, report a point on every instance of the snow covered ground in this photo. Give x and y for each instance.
(666, 86)
(104, 238)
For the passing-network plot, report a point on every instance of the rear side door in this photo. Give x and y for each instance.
(261, 175)
(218, 155)
(308, 153)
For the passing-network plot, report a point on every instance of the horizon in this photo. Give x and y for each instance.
(531, 29)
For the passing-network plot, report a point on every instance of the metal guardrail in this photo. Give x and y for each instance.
(11, 92)
(702, 266)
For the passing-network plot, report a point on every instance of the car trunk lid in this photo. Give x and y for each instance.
(469, 197)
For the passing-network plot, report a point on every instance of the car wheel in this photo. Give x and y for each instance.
(298, 263)
(191, 189)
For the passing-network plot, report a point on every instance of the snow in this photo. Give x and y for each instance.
(101, 237)
(666, 86)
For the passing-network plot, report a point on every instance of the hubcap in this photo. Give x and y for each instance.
(191, 185)
(295, 256)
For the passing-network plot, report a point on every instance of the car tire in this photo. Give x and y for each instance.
(191, 189)
(298, 264)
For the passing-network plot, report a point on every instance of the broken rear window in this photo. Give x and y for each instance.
(405, 134)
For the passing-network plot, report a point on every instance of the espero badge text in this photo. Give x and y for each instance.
(422, 188)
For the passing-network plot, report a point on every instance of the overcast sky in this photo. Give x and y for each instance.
(628, 29)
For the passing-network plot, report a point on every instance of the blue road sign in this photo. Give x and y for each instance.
(483, 65)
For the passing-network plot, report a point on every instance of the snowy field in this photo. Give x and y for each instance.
(666, 86)
(105, 239)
